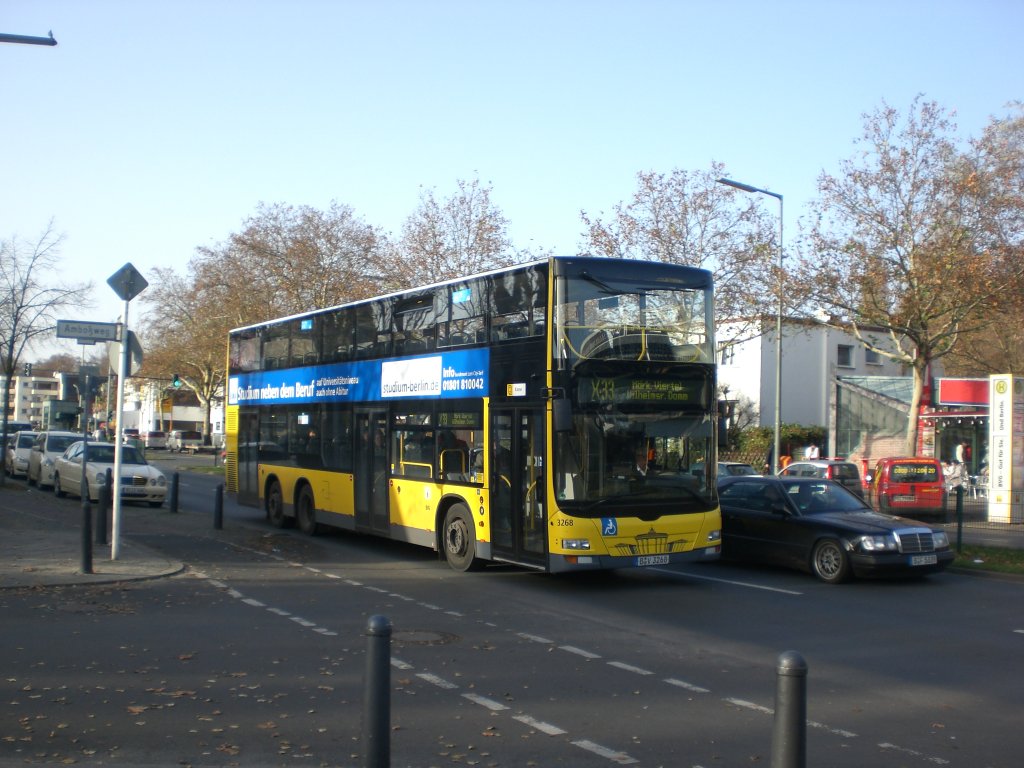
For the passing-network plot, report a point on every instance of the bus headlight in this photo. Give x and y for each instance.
(575, 544)
(715, 535)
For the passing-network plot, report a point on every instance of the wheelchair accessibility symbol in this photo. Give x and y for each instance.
(609, 526)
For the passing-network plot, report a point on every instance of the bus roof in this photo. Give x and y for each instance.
(628, 266)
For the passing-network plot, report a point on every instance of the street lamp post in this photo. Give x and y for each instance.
(777, 443)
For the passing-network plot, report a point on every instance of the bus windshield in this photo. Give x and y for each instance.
(614, 460)
(635, 352)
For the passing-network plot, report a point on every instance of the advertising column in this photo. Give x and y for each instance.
(1006, 449)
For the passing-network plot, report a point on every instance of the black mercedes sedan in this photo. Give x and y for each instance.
(819, 526)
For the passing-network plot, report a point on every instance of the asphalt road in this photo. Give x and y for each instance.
(256, 655)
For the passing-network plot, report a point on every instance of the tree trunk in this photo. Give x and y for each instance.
(920, 370)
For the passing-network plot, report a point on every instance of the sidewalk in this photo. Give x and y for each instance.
(36, 553)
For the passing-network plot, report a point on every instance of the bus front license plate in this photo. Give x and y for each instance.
(652, 560)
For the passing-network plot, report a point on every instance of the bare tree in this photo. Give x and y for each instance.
(285, 260)
(30, 298)
(902, 242)
(462, 235)
(185, 333)
(688, 218)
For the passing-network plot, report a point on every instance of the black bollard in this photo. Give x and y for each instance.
(959, 519)
(789, 739)
(173, 502)
(101, 511)
(377, 698)
(86, 524)
(218, 507)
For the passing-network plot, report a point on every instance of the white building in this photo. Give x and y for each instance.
(813, 355)
(27, 396)
(149, 406)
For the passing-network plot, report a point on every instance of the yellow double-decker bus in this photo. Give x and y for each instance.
(559, 415)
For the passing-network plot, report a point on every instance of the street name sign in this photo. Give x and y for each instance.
(87, 332)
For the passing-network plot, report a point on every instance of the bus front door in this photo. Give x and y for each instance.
(370, 467)
(518, 529)
(247, 459)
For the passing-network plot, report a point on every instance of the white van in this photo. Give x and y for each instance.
(155, 438)
(184, 440)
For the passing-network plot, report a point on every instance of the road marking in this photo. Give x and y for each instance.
(440, 682)
(733, 582)
(540, 725)
(579, 652)
(483, 701)
(811, 723)
(750, 705)
(686, 685)
(629, 668)
(254, 602)
(535, 638)
(616, 757)
(915, 753)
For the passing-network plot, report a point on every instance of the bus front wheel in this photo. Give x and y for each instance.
(459, 539)
(275, 506)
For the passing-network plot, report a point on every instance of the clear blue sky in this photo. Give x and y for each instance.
(156, 127)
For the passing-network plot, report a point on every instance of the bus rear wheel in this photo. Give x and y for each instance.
(275, 506)
(305, 512)
(459, 539)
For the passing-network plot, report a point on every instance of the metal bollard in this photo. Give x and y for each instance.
(86, 525)
(789, 738)
(101, 511)
(173, 501)
(959, 519)
(377, 698)
(218, 507)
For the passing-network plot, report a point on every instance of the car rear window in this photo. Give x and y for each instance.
(912, 472)
(60, 443)
(845, 472)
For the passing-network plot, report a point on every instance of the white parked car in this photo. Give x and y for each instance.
(19, 449)
(140, 481)
(47, 447)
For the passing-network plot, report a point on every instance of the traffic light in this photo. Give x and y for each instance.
(28, 369)
(176, 381)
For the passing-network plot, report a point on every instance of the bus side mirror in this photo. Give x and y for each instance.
(561, 410)
(723, 424)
